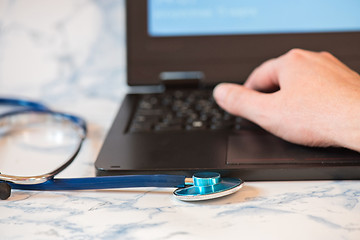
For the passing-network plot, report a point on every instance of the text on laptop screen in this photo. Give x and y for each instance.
(167, 18)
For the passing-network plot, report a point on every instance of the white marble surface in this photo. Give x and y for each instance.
(70, 55)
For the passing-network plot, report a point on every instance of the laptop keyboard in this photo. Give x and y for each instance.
(181, 111)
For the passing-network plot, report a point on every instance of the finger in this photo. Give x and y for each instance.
(265, 77)
(244, 102)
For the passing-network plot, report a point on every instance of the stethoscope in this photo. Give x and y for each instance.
(202, 186)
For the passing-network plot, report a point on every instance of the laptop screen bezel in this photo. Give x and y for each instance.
(220, 58)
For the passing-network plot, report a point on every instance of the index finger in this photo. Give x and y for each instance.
(265, 77)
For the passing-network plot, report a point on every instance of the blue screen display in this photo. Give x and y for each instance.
(168, 18)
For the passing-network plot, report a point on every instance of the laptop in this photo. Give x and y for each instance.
(179, 50)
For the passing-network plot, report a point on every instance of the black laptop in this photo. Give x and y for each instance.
(182, 49)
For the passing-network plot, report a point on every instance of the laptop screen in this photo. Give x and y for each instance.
(174, 18)
(225, 40)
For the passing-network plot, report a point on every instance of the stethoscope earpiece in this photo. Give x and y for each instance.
(5, 190)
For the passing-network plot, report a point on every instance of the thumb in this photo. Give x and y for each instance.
(244, 102)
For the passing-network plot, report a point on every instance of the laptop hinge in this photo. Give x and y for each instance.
(190, 79)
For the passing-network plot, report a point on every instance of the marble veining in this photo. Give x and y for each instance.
(70, 54)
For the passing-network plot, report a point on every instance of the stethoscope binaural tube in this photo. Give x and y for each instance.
(79, 126)
(33, 110)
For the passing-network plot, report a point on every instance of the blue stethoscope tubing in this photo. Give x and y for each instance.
(105, 182)
(36, 107)
(23, 103)
(202, 186)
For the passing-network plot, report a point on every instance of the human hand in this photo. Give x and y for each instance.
(303, 97)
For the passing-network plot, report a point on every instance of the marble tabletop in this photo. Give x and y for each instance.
(70, 54)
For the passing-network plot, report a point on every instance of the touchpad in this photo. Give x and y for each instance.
(253, 148)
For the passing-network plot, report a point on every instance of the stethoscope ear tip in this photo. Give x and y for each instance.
(5, 190)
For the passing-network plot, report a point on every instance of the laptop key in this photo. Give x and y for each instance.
(146, 119)
(166, 127)
(151, 112)
(196, 125)
(222, 125)
(140, 127)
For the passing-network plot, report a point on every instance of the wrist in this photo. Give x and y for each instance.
(348, 134)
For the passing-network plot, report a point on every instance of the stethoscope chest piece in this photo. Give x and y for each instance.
(208, 185)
